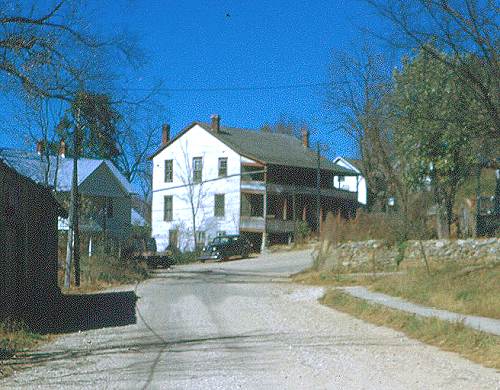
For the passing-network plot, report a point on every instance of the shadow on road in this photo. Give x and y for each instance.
(93, 311)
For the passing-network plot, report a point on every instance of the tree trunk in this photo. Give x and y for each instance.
(194, 230)
(442, 226)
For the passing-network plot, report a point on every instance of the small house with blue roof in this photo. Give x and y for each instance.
(105, 192)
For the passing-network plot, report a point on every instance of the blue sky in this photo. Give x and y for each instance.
(225, 44)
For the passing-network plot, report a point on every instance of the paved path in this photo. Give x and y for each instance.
(230, 326)
(484, 324)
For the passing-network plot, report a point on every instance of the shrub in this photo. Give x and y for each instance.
(102, 270)
(186, 257)
(302, 232)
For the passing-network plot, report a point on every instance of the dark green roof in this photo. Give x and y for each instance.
(273, 148)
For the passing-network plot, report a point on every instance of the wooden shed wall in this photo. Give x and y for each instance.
(28, 249)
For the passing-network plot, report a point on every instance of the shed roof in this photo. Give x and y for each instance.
(268, 148)
(31, 165)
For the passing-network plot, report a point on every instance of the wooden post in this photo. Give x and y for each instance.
(294, 215)
(304, 213)
(285, 207)
(263, 245)
(320, 220)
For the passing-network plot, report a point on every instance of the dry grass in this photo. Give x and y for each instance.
(455, 287)
(103, 271)
(14, 338)
(325, 278)
(292, 247)
(477, 346)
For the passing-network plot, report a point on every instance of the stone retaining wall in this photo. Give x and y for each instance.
(375, 253)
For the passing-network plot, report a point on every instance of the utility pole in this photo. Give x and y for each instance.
(76, 219)
(318, 187)
(73, 244)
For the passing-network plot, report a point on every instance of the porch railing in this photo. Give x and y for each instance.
(273, 225)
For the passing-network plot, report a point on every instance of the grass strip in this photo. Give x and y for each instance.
(477, 346)
(14, 338)
(466, 289)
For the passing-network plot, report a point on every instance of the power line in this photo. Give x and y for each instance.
(225, 89)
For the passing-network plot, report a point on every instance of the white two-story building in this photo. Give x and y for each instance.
(351, 183)
(211, 180)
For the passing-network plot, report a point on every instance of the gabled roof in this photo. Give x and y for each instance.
(353, 163)
(136, 218)
(267, 148)
(31, 165)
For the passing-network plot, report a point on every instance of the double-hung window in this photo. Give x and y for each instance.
(169, 171)
(167, 208)
(219, 209)
(222, 166)
(197, 169)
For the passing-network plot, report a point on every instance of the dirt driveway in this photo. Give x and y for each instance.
(239, 325)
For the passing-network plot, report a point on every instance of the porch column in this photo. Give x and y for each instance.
(285, 209)
(90, 246)
(263, 245)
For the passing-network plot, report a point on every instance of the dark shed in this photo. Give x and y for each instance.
(28, 249)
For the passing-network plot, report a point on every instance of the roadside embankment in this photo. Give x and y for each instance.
(379, 255)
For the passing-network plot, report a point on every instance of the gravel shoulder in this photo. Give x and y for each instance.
(232, 325)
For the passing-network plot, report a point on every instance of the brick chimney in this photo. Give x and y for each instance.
(215, 126)
(305, 137)
(39, 147)
(165, 134)
(62, 148)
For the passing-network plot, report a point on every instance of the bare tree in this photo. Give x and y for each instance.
(285, 125)
(42, 120)
(195, 190)
(467, 30)
(49, 50)
(137, 135)
(358, 87)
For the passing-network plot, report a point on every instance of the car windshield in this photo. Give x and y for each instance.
(222, 240)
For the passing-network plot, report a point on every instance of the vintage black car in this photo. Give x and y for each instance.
(223, 247)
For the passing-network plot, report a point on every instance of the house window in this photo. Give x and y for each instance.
(167, 208)
(341, 179)
(197, 169)
(169, 171)
(222, 166)
(219, 205)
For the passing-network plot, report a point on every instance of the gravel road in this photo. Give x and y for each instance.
(237, 325)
